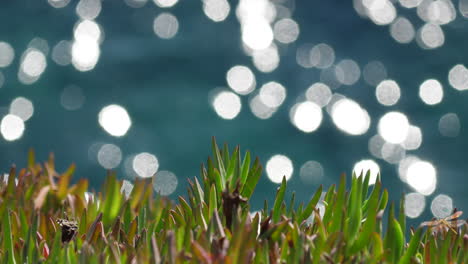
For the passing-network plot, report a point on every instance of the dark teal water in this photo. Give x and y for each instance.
(165, 86)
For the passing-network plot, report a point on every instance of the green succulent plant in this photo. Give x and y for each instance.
(45, 220)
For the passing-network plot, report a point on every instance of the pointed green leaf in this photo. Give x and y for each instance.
(93, 227)
(219, 164)
(218, 180)
(31, 158)
(30, 245)
(225, 156)
(252, 179)
(187, 209)
(338, 207)
(245, 169)
(279, 200)
(355, 213)
(112, 201)
(369, 225)
(394, 238)
(402, 216)
(412, 248)
(8, 238)
(233, 168)
(310, 206)
(213, 204)
(56, 247)
(198, 191)
(365, 184)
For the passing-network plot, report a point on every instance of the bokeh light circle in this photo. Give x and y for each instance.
(393, 127)
(431, 36)
(272, 94)
(216, 10)
(7, 54)
(227, 104)
(388, 92)
(109, 156)
(347, 72)
(402, 30)
(286, 30)
(241, 79)
(442, 206)
(306, 116)
(431, 92)
(362, 167)
(413, 138)
(165, 3)
(166, 25)
(449, 125)
(350, 117)
(22, 107)
(279, 166)
(165, 182)
(145, 164)
(458, 77)
(414, 204)
(422, 177)
(311, 172)
(319, 93)
(115, 120)
(12, 127)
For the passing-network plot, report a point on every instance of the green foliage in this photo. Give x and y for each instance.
(212, 224)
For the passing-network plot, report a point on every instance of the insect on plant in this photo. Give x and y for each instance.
(450, 222)
(69, 229)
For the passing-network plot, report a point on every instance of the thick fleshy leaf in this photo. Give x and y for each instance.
(8, 238)
(279, 200)
(252, 179)
(310, 206)
(412, 248)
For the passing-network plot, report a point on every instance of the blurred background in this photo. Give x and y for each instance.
(313, 88)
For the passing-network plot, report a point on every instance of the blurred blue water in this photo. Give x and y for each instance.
(165, 86)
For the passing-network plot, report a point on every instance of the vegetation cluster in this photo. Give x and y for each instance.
(47, 219)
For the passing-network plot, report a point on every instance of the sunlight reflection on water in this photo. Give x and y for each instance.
(388, 92)
(33, 64)
(7, 54)
(22, 107)
(11, 127)
(272, 94)
(166, 25)
(145, 164)
(319, 93)
(414, 204)
(216, 10)
(422, 176)
(442, 206)
(362, 167)
(241, 79)
(311, 172)
(277, 167)
(269, 34)
(393, 127)
(109, 156)
(227, 104)
(165, 182)
(115, 120)
(350, 117)
(306, 116)
(449, 125)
